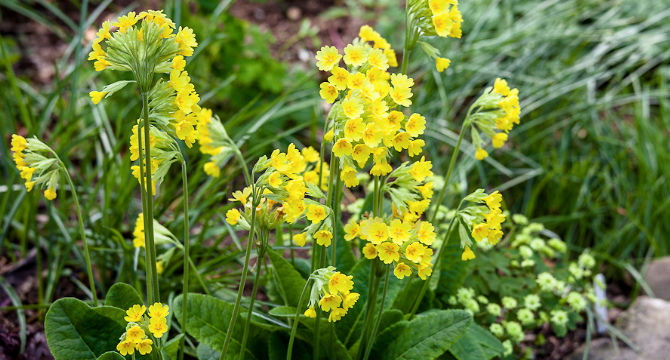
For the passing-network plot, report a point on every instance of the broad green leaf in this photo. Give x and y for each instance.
(289, 282)
(111, 355)
(329, 342)
(205, 352)
(123, 296)
(75, 331)
(283, 311)
(477, 344)
(208, 319)
(172, 347)
(426, 337)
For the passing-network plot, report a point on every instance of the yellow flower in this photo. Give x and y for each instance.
(126, 347)
(378, 232)
(425, 271)
(330, 301)
(159, 267)
(340, 283)
(316, 213)
(328, 92)
(372, 135)
(349, 300)
(370, 251)
(354, 55)
(355, 81)
(381, 169)
(126, 21)
(144, 346)
(103, 33)
(342, 148)
(50, 193)
(388, 252)
(310, 312)
(498, 140)
(367, 33)
(233, 216)
(310, 154)
(494, 236)
(300, 239)
(414, 252)
(440, 6)
(158, 327)
(481, 154)
(339, 78)
(212, 169)
(415, 125)
(328, 137)
(426, 233)
(336, 314)
(351, 230)
(349, 176)
(421, 169)
(390, 57)
(135, 313)
(442, 64)
(479, 232)
(402, 80)
(186, 40)
(97, 52)
(402, 270)
(352, 108)
(353, 129)
(158, 310)
(135, 334)
(378, 60)
(401, 95)
(401, 141)
(323, 237)
(500, 87)
(327, 57)
(493, 200)
(361, 153)
(399, 231)
(241, 196)
(442, 24)
(178, 63)
(96, 96)
(29, 185)
(101, 64)
(467, 254)
(494, 218)
(19, 143)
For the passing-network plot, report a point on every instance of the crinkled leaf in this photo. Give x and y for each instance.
(171, 348)
(123, 296)
(477, 344)
(76, 331)
(208, 319)
(426, 337)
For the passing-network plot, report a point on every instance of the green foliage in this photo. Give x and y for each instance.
(123, 296)
(426, 337)
(111, 355)
(289, 281)
(476, 344)
(208, 320)
(76, 331)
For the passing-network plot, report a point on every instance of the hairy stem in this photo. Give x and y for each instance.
(371, 339)
(257, 279)
(294, 329)
(187, 259)
(143, 191)
(149, 214)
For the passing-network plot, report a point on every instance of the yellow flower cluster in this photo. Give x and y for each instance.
(491, 228)
(332, 292)
(446, 18)
(286, 183)
(135, 337)
(402, 242)
(162, 154)
(366, 122)
(28, 161)
(508, 103)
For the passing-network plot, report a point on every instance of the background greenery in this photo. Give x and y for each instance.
(590, 159)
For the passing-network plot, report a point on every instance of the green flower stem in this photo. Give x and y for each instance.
(451, 165)
(436, 264)
(406, 50)
(375, 194)
(373, 288)
(91, 281)
(294, 328)
(371, 339)
(257, 280)
(187, 259)
(149, 214)
(143, 191)
(240, 158)
(335, 206)
(245, 270)
(290, 241)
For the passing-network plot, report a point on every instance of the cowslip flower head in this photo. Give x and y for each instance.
(331, 291)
